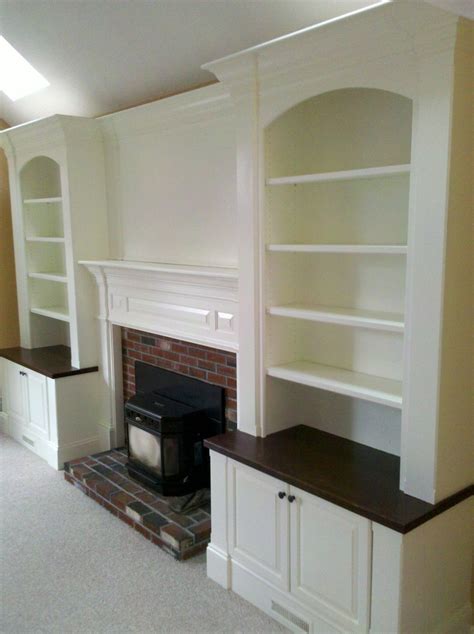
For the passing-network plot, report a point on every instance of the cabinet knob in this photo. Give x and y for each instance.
(281, 494)
(291, 498)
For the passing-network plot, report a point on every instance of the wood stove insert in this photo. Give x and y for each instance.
(167, 421)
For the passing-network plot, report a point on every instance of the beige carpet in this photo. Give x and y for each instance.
(67, 565)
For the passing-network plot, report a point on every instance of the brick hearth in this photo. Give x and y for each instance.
(104, 478)
(200, 362)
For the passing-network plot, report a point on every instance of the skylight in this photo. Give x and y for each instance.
(18, 78)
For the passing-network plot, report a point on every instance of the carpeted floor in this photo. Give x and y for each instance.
(69, 566)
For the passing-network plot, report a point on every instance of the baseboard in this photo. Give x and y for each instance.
(218, 566)
(54, 455)
(4, 422)
(107, 436)
(279, 605)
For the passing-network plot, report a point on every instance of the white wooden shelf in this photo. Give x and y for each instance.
(44, 239)
(55, 312)
(364, 386)
(376, 320)
(52, 277)
(362, 249)
(344, 175)
(35, 201)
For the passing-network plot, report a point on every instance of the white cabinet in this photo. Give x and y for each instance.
(55, 418)
(259, 523)
(314, 551)
(330, 559)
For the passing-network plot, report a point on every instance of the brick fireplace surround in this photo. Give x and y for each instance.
(200, 362)
(103, 477)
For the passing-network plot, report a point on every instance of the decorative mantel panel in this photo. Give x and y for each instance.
(191, 303)
(194, 303)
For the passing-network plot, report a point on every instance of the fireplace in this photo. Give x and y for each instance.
(167, 420)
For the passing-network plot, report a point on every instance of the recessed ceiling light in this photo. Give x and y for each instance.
(18, 78)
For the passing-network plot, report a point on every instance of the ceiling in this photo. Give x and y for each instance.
(106, 55)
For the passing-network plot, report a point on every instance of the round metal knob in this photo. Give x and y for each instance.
(138, 419)
(281, 494)
(291, 498)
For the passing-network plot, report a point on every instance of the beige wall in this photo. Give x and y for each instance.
(9, 331)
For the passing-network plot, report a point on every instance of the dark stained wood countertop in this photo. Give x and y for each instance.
(51, 361)
(349, 474)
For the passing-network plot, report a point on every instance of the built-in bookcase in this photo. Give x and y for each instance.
(59, 217)
(45, 250)
(337, 175)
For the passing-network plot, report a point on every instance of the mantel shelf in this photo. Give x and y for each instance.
(376, 320)
(44, 239)
(52, 277)
(364, 386)
(362, 249)
(344, 175)
(35, 201)
(55, 312)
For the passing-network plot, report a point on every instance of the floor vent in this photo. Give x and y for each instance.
(289, 616)
(29, 441)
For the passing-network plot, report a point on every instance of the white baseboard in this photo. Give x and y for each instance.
(4, 422)
(218, 566)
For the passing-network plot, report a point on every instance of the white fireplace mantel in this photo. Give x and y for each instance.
(191, 303)
(194, 303)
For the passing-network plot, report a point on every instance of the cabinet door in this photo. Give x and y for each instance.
(37, 404)
(15, 379)
(258, 523)
(330, 560)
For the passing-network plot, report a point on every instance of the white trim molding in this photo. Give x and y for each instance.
(191, 303)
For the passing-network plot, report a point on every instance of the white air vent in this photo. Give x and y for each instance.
(29, 441)
(289, 616)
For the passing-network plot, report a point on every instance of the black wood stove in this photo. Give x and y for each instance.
(167, 420)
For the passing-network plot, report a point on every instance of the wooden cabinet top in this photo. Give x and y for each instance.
(353, 476)
(51, 361)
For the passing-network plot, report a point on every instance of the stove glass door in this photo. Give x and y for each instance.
(145, 448)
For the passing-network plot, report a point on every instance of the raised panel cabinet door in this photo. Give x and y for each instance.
(37, 404)
(330, 560)
(16, 391)
(259, 523)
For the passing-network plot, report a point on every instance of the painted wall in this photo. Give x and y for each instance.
(9, 329)
(171, 180)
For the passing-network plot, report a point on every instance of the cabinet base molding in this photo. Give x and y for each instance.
(218, 566)
(278, 605)
(107, 437)
(54, 455)
(3, 423)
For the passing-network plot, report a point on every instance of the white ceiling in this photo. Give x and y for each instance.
(105, 55)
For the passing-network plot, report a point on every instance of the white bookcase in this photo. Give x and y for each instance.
(57, 178)
(353, 184)
(337, 170)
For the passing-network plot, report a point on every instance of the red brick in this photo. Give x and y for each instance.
(197, 374)
(198, 353)
(216, 356)
(135, 355)
(207, 365)
(146, 533)
(191, 361)
(125, 518)
(232, 383)
(226, 370)
(148, 358)
(121, 499)
(179, 348)
(132, 336)
(217, 379)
